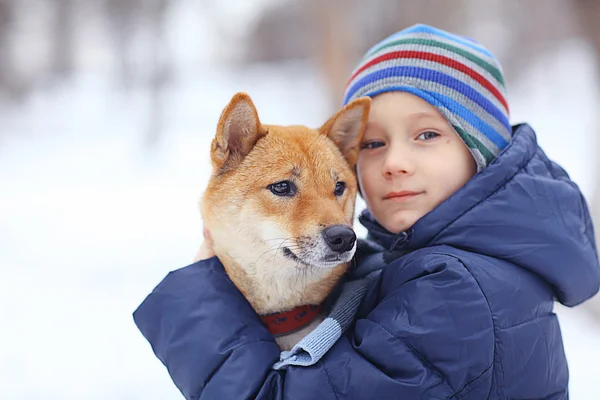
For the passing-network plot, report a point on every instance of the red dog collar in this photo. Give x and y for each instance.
(286, 322)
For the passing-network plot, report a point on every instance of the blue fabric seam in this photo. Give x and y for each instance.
(489, 309)
(526, 322)
(210, 376)
(416, 353)
(474, 384)
(329, 380)
(223, 362)
(396, 272)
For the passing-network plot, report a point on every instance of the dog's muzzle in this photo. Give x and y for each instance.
(339, 238)
(335, 245)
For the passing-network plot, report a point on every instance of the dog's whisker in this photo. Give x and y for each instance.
(267, 251)
(267, 259)
(274, 248)
(284, 239)
(276, 253)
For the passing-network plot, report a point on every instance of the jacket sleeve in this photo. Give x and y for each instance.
(430, 336)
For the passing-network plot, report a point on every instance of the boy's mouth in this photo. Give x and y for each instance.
(403, 195)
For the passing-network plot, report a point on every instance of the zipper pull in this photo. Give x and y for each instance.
(401, 240)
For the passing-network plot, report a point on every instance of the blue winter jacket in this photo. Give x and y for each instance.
(463, 308)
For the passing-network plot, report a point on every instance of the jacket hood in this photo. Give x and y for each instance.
(523, 208)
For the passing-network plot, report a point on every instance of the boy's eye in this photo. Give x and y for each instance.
(372, 145)
(428, 135)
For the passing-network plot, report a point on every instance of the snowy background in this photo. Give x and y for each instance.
(100, 184)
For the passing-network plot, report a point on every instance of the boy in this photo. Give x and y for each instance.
(474, 231)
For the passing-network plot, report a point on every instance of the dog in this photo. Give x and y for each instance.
(279, 207)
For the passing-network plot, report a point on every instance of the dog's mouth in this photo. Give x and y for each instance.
(328, 261)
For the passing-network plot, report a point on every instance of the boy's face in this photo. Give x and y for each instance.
(410, 160)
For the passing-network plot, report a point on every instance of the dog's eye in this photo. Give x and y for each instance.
(340, 188)
(283, 188)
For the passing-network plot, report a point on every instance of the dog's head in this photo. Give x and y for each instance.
(283, 196)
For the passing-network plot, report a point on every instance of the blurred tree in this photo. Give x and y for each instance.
(283, 31)
(588, 13)
(63, 38)
(148, 65)
(333, 51)
(122, 17)
(159, 65)
(6, 62)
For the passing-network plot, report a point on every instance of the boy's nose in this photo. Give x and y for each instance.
(398, 163)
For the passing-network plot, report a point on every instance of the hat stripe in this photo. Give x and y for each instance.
(434, 77)
(434, 43)
(474, 120)
(466, 46)
(421, 55)
(455, 38)
(484, 140)
(429, 36)
(439, 51)
(472, 141)
(441, 68)
(415, 62)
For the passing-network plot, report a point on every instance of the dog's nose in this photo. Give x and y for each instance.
(339, 238)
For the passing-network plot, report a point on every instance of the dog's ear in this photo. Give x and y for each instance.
(347, 126)
(237, 132)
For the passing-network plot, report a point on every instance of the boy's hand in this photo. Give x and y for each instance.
(206, 248)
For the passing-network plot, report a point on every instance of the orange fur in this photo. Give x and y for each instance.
(251, 226)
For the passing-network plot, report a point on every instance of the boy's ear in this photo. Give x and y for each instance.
(237, 132)
(347, 126)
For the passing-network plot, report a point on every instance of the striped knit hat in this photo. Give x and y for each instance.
(456, 75)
